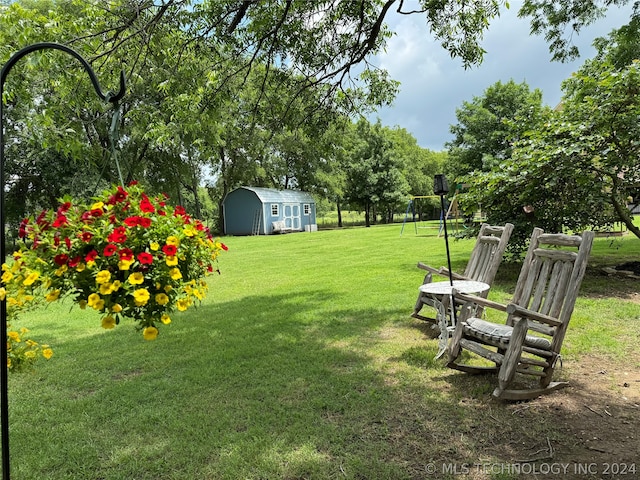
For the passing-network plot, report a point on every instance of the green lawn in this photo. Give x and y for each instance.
(302, 362)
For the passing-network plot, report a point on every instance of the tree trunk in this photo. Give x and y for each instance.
(339, 213)
(625, 216)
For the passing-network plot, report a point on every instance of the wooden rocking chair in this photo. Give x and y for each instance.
(482, 266)
(537, 318)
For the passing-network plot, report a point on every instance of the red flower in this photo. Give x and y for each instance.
(91, 256)
(110, 250)
(132, 183)
(162, 213)
(119, 235)
(170, 250)
(179, 210)
(121, 195)
(64, 207)
(145, 258)
(87, 217)
(224, 247)
(97, 212)
(67, 242)
(61, 259)
(126, 254)
(60, 221)
(85, 236)
(146, 205)
(132, 221)
(73, 263)
(40, 218)
(22, 231)
(145, 222)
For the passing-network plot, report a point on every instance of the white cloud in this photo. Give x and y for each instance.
(433, 84)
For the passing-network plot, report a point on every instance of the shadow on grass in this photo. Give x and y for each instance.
(269, 387)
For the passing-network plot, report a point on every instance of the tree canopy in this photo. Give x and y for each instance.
(579, 167)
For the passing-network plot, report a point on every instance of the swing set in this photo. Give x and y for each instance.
(452, 211)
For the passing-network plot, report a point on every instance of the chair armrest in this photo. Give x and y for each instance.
(429, 268)
(483, 302)
(530, 314)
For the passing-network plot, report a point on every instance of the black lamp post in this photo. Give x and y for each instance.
(441, 187)
(108, 97)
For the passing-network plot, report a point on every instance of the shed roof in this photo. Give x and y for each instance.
(272, 195)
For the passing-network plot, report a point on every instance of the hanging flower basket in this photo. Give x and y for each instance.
(125, 255)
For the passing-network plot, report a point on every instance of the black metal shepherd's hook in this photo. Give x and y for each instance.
(107, 97)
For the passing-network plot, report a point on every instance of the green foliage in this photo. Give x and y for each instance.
(560, 19)
(489, 125)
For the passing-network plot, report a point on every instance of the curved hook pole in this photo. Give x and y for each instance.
(107, 97)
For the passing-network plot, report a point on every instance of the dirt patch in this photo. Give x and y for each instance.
(598, 418)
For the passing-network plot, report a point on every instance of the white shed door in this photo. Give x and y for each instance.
(291, 216)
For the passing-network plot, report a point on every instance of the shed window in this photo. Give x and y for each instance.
(306, 208)
(275, 210)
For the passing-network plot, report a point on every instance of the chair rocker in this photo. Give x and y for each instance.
(537, 318)
(482, 266)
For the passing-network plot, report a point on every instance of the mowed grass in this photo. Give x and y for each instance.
(303, 362)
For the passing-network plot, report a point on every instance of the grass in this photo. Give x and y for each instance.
(303, 362)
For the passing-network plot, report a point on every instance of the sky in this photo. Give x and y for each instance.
(433, 85)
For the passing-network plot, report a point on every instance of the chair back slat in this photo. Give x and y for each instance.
(487, 253)
(551, 276)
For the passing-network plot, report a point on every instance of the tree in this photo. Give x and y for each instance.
(374, 176)
(489, 125)
(578, 168)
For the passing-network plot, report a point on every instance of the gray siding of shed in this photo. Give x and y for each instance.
(246, 208)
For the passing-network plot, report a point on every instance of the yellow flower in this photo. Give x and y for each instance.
(47, 353)
(162, 299)
(91, 264)
(3, 293)
(136, 278)
(175, 273)
(80, 267)
(106, 288)
(53, 296)
(183, 304)
(124, 264)
(190, 230)
(97, 206)
(172, 260)
(103, 276)
(154, 246)
(6, 276)
(15, 336)
(95, 301)
(150, 333)
(166, 319)
(31, 278)
(198, 294)
(115, 286)
(108, 322)
(61, 271)
(173, 240)
(168, 288)
(141, 296)
(116, 308)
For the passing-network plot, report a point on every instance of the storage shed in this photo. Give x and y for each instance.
(263, 211)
